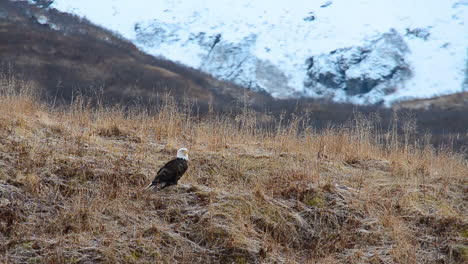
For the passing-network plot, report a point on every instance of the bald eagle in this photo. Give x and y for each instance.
(171, 172)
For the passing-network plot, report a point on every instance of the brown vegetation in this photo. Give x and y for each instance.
(72, 180)
(446, 102)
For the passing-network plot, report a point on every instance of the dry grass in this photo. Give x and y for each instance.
(71, 190)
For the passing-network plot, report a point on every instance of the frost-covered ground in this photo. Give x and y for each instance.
(275, 38)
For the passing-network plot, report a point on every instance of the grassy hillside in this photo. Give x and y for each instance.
(72, 189)
(446, 102)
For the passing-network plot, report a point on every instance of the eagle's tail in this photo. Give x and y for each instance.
(152, 186)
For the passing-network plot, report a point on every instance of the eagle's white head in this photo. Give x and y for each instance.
(182, 153)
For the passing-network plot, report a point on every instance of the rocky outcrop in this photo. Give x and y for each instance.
(227, 60)
(237, 63)
(380, 65)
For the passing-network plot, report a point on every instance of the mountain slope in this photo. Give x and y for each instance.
(265, 45)
(66, 56)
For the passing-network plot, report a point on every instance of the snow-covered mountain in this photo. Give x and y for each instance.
(361, 51)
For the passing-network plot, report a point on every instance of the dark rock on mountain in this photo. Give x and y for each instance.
(327, 4)
(421, 33)
(380, 65)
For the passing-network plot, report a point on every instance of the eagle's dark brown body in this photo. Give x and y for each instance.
(169, 174)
